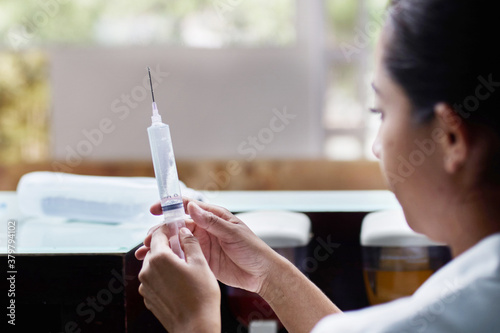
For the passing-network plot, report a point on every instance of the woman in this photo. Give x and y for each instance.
(437, 72)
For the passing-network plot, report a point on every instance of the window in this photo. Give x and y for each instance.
(29, 28)
(191, 23)
(352, 28)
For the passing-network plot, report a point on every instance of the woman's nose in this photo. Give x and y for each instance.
(377, 147)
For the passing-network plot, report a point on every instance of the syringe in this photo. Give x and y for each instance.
(166, 176)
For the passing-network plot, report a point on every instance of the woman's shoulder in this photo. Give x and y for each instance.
(479, 262)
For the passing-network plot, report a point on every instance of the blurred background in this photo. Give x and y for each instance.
(258, 94)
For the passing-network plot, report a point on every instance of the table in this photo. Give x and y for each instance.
(81, 276)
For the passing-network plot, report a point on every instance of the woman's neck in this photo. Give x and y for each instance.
(477, 216)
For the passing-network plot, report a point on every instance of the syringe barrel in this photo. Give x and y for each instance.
(168, 182)
(165, 170)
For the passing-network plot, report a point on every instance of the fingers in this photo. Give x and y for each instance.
(191, 247)
(140, 253)
(147, 241)
(153, 228)
(217, 226)
(217, 210)
(159, 243)
(156, 209)
(158, 252)
(169, 240)
(159, 240)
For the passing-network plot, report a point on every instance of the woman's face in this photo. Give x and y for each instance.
(409, 154)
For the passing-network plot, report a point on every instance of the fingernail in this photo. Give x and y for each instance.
(186, 231)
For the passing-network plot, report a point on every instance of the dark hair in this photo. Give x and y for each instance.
(441, 51)
(447, 51)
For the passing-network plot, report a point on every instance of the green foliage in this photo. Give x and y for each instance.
(24, 106)
(81, 22)
(344, 17)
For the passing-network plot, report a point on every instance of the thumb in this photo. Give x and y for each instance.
(191, 247)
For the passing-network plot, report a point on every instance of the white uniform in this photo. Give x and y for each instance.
(463, 296)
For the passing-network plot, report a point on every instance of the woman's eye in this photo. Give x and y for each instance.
(377, 111)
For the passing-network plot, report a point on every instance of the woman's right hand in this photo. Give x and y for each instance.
(236, 256)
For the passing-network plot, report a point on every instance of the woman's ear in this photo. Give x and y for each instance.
(455, 139)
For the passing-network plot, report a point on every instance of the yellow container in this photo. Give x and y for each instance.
(396, 260)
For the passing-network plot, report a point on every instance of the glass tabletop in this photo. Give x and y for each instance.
(55, 235)
(305, 201)
(49, 235)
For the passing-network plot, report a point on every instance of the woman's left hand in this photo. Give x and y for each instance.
(183, 295)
